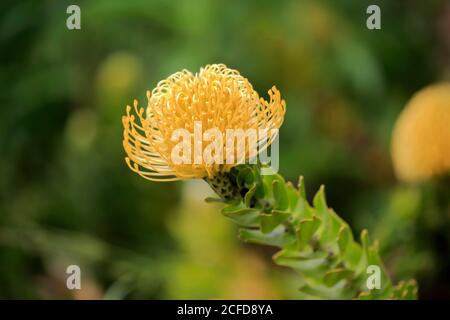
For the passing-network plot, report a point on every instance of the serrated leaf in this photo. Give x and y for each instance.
(277, 238)
(373, 258)
(280, 195)
(268, 188)
(270, 221)
(306, 230)
(245, 217)
(235, 206)
(365, 238)
(333, 258)
(365, 241)
(344, 239)
(353, 256)
(293, 195)
(303, 210)
(299, 262)
(334, 276)
(331, 233)
(258, 181)
(249, 195)
(320, 205)
(301, 187)
(360, 268)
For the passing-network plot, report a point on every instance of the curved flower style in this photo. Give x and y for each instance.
(214, 98)
(421, 137)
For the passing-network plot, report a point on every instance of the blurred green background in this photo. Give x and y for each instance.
(67, 197)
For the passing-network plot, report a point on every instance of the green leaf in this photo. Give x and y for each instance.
(293, 196)
(373, 258)
(249, 195)
(350, 251)
(365, 252)
(268, 188)
(280, 195)
(334, 276)
(365, 240)
(306, 230)
(333, 265)
(320, 205)
(299, 262)
(334, 225)
(344, 238)
(277, 238)
(301, 187)
(270, 221)
(303, 210)
(245, 217)
(353, 256)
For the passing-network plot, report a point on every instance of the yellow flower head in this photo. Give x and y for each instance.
(421, 137)
(215, 98)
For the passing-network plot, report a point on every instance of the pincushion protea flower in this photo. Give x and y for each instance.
(215, 97)
(421, 137)
(313, 240)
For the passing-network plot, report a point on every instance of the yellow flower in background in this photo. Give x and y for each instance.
(216, 98)
(118, 73)
(421, 137)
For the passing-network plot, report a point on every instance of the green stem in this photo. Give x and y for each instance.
(313, 240)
